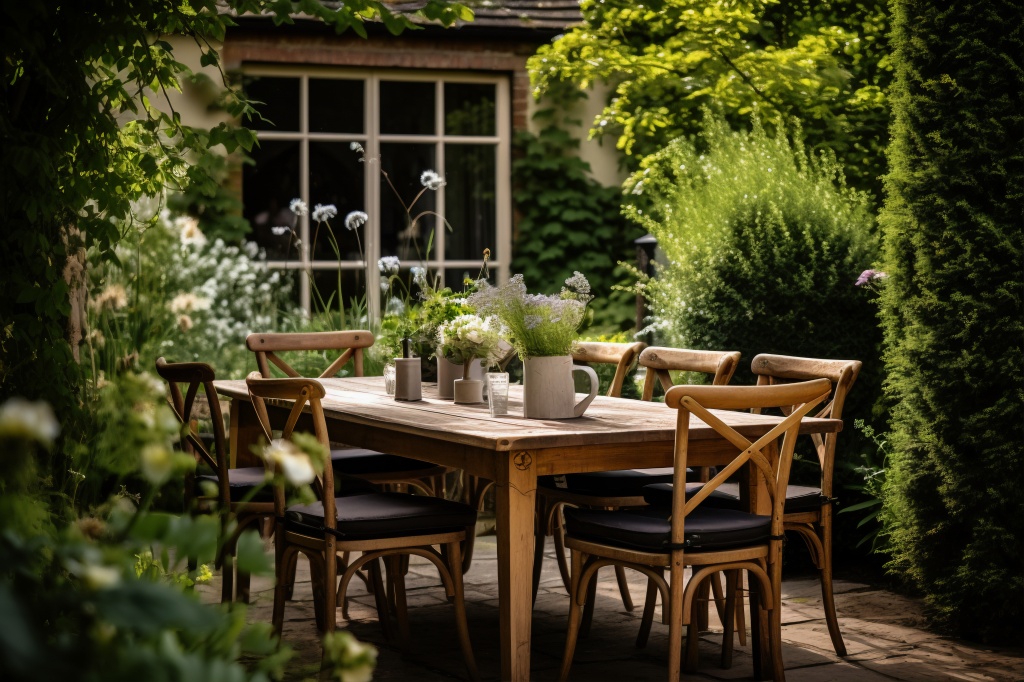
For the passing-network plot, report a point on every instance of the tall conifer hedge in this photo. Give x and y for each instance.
(952, 311)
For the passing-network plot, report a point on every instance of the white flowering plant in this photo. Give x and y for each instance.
(175, 293)
(537, 325)
(469, 337)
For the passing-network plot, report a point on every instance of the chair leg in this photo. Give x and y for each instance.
(775, 623)
(459, 602)
(227, 588)
(729, 621)
(243, 586)
(827, 598)
(280, 584)
(588, 608)
(627, 598)
(575, 614)
(380, 598)
(676, 616)
(650, 602)
(702, 605)
(741, 621)
(558, 535)
(330, 587)
(538, 547)
(396, 579)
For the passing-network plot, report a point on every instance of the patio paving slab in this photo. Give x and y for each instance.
(884, 633)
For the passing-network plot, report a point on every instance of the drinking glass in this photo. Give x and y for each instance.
(497, 393)
(389, 378)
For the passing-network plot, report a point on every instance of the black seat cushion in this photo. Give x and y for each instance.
(649, 529)
(621, 483)
(799, 498)
(361, 462)
(383, 515)
(241, 482)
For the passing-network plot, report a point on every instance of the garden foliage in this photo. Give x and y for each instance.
(953, 312)
(822, 62)
(569, 222)
(761, 245)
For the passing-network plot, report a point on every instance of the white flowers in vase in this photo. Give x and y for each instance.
(467, 338)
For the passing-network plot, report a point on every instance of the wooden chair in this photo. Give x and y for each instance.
(693, 534)
(381, 525)
(241, 499)
(374, 467)
(624, 488)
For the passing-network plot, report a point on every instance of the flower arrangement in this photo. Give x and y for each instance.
(468, 337)
(538, 325)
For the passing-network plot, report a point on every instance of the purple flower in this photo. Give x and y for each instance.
(869, 276)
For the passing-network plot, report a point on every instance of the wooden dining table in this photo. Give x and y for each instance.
(512, 451)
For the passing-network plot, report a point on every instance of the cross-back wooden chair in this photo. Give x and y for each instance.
(623, 488)
(691, 533)
(374, 467)
(381, 525)
(808, 509)
(241, 499)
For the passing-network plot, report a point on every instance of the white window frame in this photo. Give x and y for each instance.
(374, 182)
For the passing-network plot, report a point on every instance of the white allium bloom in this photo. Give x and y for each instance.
(356, 147)
(355, 219)
(394, 306)
(431, 180)
(385, 284)
(157, 463)
(298, 207)
(29, 420)
(284, 456)
(188, 302)
(280, 230)
(324, 212)
(389, 265)
(419, 276)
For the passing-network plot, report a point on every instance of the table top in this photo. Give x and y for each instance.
(362, 400)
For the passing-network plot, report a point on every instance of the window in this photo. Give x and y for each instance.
(406, 123)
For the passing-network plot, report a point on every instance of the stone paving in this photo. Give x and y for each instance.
(884, 632)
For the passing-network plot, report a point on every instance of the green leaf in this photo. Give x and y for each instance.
(250, 555)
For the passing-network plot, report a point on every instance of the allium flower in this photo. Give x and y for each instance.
(324, 212)
(298, 207)
(578, 283)
(28, 420)
(385, 284)
(355, 219)
(286, 457)
(280, 230)
(356, 147)
(389, 265)
(869, 276)
(431, 180)
(419, 276)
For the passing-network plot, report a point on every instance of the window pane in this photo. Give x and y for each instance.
(277, 101)
(404, 163)
(268, 187)
(335, 105)
(469, 109)
(336, 176)
(407, 107)
(470, 200)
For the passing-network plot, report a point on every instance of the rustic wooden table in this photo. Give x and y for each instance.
(512, 451)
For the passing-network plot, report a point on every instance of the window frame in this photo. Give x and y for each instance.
(374, 184)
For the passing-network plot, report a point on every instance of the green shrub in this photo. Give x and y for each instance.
(953, 315)
(761, 245)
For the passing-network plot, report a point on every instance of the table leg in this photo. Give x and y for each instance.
(516, 492)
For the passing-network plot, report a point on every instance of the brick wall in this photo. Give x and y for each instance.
(428, 52)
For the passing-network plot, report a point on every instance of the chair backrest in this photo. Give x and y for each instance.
(660, 360)
(698, 400)
(196, 375)
(300, 391)
(349, 344)
(622, 355)
(779, 369)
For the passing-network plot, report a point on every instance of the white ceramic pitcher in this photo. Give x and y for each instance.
(549, 391)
